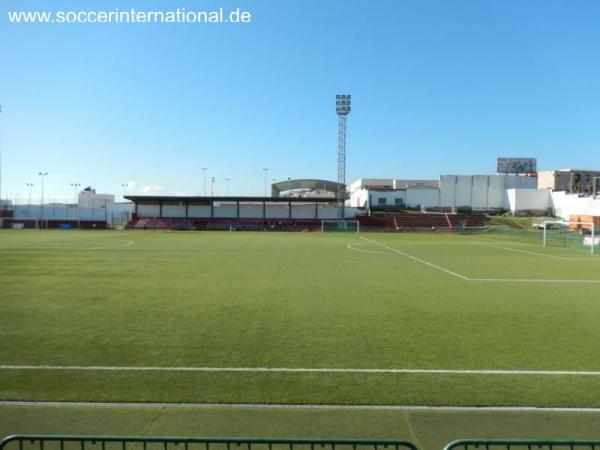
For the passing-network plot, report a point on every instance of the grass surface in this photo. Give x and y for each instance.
(296, 300)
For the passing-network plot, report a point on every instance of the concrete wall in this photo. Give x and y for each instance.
(177, 210)
(425, 197)
(225, 210)
(148, 210)
(277, 211)
(247, 211)
(327, 212)
(251, 210)
(303, 211)
(198, 211)
(521, 200)
(480, 191)
(519, 182)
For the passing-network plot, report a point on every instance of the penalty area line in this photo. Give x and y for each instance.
(493, 372)
(419, 260)
(464, 278)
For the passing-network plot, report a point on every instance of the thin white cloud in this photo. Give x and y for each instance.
(153, 189)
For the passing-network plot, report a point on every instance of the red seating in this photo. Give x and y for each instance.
(397, 222)
(163, 223)
(420, 221)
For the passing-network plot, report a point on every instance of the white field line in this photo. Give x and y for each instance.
(516, 250)
(276, 406)
(124, 243)
(353, 247)
(414, 258)
(497, 280)
(121, 244)
(526, 244)
(533, 280)
(492, 372)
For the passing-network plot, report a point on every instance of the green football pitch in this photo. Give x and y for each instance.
(297, 318)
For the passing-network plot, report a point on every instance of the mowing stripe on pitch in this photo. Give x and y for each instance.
(504, 372)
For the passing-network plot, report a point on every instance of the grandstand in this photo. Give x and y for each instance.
(276, 214)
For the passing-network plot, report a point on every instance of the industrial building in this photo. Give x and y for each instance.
(569, 180)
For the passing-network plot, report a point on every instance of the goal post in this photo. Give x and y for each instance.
(340, 226)
(566, 232)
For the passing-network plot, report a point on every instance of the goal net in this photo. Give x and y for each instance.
(344, 226)
(570, 234)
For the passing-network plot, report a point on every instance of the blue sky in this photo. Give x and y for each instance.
(438, 87)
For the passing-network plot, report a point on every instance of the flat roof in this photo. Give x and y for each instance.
(179, 198)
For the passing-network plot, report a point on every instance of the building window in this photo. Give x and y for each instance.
(399, 201)
(381, 201)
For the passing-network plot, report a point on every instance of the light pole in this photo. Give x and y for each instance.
(342, 108)
(75, 186)
(212, 187)
(124, 186)
(227, 186)
(204, 169)
(266, 171)
(289, 187)
(29, 186)
(42, 213)
(76, 200)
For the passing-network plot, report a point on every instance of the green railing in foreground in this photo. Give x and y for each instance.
(509, 444)
(66, 442)
(58, 442)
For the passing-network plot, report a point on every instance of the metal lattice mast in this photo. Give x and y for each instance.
(342, 108)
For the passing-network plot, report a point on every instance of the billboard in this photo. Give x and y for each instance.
(516, 165)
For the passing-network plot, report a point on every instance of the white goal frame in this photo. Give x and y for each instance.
(591, 226)
(338, 221)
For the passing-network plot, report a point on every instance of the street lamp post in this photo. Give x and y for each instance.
(42, 213)
(227, 186)
(204, 169)
(212, 187)
(29, 186)
(266, 171)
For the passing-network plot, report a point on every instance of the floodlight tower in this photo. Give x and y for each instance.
(342, 108)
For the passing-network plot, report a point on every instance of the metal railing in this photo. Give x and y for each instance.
(65, 442)
(58, 442)
(510, 444)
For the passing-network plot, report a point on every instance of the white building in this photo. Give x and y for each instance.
(478, 192)
(88, 198)
(91, 206)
